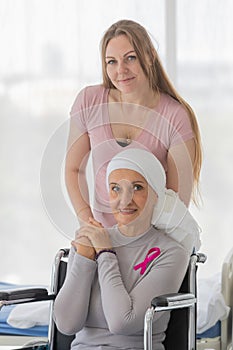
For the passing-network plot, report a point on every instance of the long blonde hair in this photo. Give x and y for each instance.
(154, 71)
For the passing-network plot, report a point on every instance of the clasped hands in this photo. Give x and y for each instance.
(91, 239)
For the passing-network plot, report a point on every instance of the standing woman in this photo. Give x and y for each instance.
(135, 106)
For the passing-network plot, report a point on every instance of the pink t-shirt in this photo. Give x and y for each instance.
(165, 126)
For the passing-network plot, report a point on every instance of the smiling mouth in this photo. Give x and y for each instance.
(127, 211)
(125, 80)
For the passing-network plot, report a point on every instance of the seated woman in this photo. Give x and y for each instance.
(111, 281)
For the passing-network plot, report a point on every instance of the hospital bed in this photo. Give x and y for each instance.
(13, 337)
(219, 337)
(221, 342)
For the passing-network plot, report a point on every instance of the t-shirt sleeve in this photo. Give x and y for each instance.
(79, 110)
(180, 126)
(87, 107)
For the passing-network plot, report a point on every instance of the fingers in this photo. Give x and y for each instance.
(81, 240)
(93, 222)
(98, 236)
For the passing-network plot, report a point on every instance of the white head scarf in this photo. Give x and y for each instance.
(170, 213)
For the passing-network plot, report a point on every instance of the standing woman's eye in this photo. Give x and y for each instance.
(131, 58)
(111, 62)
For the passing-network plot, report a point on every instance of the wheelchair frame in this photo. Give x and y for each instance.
(170, 302)
(160, 303)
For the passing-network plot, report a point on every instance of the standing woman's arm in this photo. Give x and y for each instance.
(180, 162)
(78, 151)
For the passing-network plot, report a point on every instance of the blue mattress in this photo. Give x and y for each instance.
(5, 328)
(212, 332)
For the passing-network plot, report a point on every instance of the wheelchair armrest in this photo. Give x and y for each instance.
(15, 294)
(173, 301)
(20, 296)
(166, 302)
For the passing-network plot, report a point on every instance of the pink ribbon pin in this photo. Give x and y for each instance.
(148, 259)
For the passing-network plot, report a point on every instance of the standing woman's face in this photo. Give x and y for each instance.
(131, 198)
(123, 67)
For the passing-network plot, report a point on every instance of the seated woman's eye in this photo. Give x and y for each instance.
(137, 187)
(115, 188)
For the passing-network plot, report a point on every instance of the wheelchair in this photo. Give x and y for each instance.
(181, 331)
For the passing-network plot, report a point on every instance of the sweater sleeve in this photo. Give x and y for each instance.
(125, 310)
(72, 302)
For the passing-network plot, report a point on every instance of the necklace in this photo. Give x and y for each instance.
(130, 120)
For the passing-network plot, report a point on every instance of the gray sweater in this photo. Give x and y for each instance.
(104, 302)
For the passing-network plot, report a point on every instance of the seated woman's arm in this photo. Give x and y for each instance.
(125, 311)
(71, 304)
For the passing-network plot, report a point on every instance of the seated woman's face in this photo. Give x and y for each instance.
(130, 197)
